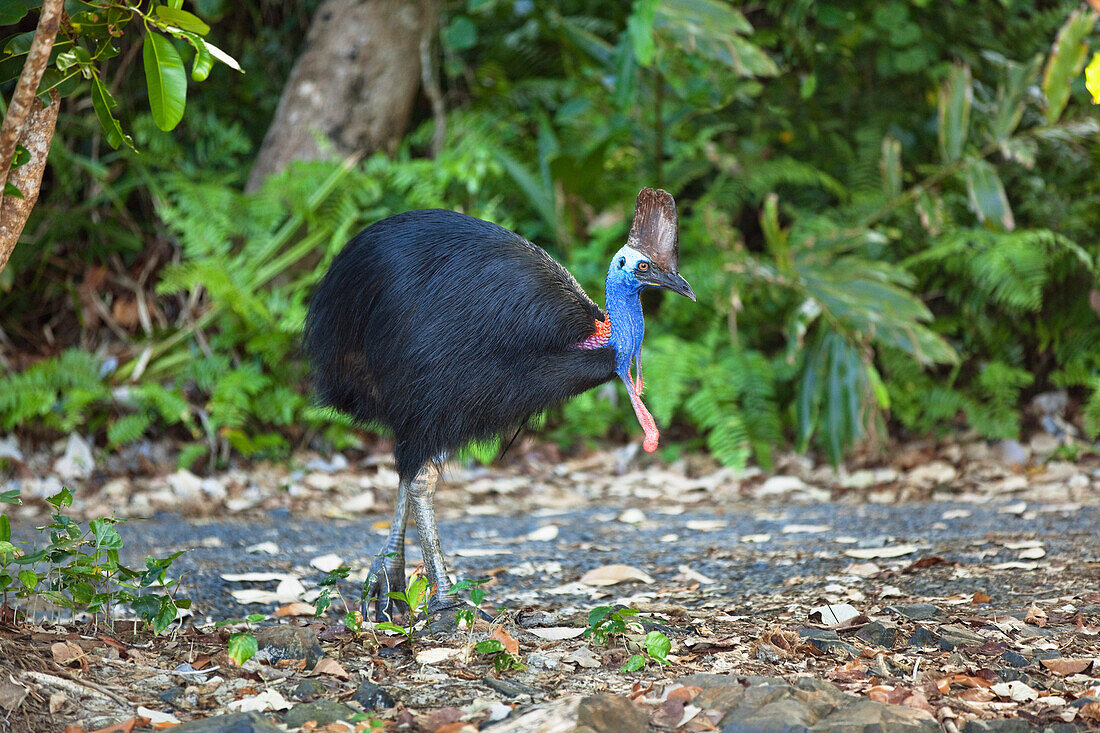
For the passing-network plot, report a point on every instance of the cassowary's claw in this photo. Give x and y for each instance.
(387, 575)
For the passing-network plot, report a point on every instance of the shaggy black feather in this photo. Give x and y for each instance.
(446, 328)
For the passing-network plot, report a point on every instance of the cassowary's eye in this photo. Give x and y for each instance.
(622, 262)
(643, 266)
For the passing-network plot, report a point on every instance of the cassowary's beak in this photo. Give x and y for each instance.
(659, 278)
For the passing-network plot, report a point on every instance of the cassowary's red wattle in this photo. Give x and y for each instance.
(446, 329)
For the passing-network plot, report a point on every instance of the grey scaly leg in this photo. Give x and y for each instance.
(422, 496)
(387, 570)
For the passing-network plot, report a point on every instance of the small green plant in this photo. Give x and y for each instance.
(606, 622)
(415, 596)
(656, 647)
(372, 722)
(475, 594)
(242, 645)
(501, 659)
(79, 569)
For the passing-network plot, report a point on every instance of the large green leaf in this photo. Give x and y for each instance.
(956, 97)
(12, 11)
(103, 103)
(166, 79)
(987, 196)
(1066, 60)
(182, 19)
(714, 32)
(1012, 97)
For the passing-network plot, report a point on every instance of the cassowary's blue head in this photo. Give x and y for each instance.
(649, 259)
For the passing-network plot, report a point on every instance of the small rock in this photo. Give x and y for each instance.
(1011, 454)
(828, 641)
(999, 725)
(1014, 659)
(511, 688)
(632, 516)
(953, 635)
(9, 448)
(542, 661)
(435, 656)
(863, 714)
(922, 638)
(326, 563)
(372, 697)
(610, 714)
(172, 695)
(322, 711)
(185, 484)
(337, 463)
(77, 462)
(359, 503)
(932, 474)
(290, 642)
(307, 690)
(214, 489)
(916, 611)
(1043, 444)
(234, 723)
(778, 485)
(879, 633)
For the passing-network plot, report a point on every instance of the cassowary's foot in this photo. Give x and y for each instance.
(387, 575)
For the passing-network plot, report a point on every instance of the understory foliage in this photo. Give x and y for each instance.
(887, 211)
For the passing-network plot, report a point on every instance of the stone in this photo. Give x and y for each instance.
(610, 714)
(185, 484)
(172, 695)
(307, 690)
(782, 716)
(372, 697)
(1001, 725)
(922, 638)
(511, 688)
(882, 634)
(235, 723)
(77, 462)
(916, 611)
(1014, 659)
(290, 642)
(828, 641)
(322, 711)
(9, 449)
(954, 635)
(862, 715)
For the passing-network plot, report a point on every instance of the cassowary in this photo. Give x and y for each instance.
(445, 329)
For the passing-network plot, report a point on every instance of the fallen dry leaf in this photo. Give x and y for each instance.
(668, 715)
(684, 694)
(297, 608)
(980, 597)
(556, 633)
(67, 653)
(328, 665)
(612, 574)
(1066, 667)
(871, 553)
(435, 656)
(1036, 616)
(1015, 690)
(511, 646)
(456, 727)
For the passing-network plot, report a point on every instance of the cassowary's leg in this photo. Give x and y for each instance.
(422, 496)
(387, 570)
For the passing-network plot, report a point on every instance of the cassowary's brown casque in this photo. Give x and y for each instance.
(655, 231)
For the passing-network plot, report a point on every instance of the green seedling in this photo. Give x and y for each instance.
(502, 660)
(242, 645)
(415, 596)
(79, 570)
(606, 622)
(475, 595)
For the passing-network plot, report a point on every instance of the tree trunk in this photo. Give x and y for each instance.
(31, 124)
(353, 86)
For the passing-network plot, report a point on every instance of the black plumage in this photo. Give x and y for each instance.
(446, 328)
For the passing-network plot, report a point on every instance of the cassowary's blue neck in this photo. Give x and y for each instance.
(624, 310)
